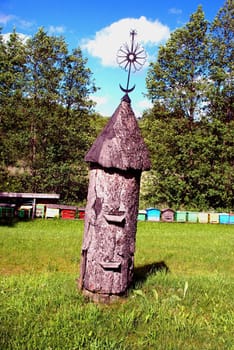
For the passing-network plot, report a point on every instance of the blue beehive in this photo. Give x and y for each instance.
(231, 218)
(153, 214)
(224, 218)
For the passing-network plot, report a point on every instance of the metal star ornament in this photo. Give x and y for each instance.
(131, 58)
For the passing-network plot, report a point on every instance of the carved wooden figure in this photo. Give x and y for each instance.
(117, 158)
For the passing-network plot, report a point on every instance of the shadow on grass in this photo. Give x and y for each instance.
(11, 222)
(8, 221)
(141, 273)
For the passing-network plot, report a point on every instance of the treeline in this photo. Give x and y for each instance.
(47, 119)
(45, 116)
(190, 129)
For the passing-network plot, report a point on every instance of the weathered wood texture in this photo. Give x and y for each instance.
(110, 228)
(117, 158)
(120, 144)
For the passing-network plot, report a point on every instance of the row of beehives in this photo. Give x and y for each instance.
(42, 211)
(150, 214)
(59, 211)
(169, 215)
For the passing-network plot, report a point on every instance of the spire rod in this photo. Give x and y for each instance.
(131, 58)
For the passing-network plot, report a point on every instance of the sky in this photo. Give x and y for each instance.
(100, 29)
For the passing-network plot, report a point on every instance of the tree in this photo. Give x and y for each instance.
(192, 168)
(12, 130)
(178, 78)
(12, 82)
(221, 64)
(60, 85)
(51, 119)
(189, 130)
(44, 71)
(76, 83)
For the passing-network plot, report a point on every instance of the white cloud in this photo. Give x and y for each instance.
(4, 19)
(56, 30)
(175, 11)
(144, 104)
(108, 40)
(16, 21)
(99, 100)
(25, 24)
(21, 36)
(103, 105)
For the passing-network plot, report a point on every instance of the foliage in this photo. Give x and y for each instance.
(47, 122)
(45, 116)
(189, 307)
(221, 64)
(189, 130)
(191, 168)
(178, 78)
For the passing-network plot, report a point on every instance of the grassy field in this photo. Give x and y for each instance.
(188, 304)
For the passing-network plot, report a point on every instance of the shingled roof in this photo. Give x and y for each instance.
(120, 144)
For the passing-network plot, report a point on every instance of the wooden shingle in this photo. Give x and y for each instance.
(120, 144)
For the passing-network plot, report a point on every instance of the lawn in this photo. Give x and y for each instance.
(182, 297)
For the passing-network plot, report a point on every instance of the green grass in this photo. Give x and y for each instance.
(190, 307)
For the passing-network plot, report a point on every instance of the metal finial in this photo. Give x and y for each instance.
(131, 58)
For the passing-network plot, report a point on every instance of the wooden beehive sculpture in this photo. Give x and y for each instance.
(117, 158)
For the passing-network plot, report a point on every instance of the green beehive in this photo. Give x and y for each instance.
(141, 215)
(21, 213)
(181, 216)
(40, 210)
(192, 216)
(8, 212)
